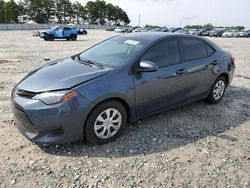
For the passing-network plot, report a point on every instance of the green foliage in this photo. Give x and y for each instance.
(98, 12)
(236, 28)
(210, 26)
(43, 11)
(151, 26)
(193, 26)
(2, 12)
(63, 10)
(40, 11)
(79, 11)
(10, 11)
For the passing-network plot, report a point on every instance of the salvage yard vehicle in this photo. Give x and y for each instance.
(228, 34)
(94, 94)
(82, 31)
(60, 32)
(247, 33)
(239, 34)
(216, 33)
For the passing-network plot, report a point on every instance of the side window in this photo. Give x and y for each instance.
(210, 50)
(164, 53)
(66, 29)
(193, 49)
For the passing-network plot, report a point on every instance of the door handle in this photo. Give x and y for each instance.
(181, 71)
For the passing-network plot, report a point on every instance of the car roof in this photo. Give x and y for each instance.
(153, 36)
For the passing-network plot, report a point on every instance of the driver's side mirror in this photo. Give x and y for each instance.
(147, 66)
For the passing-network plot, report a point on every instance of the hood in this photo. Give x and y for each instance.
(58, 75)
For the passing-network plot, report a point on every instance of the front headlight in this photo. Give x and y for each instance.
(50, 98)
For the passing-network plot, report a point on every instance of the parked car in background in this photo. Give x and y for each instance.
(82, 31)
(174, 29)
(216, 33)
(78, 97)
(247, 33)
(60, 32)
(36, 33)
(164, 30)
(110, 28)
(241, 33)
(182, 31)
(207, 33)
(128, 30)
(154, 30)
(228, 34)
(119, 30)
(193, 31)
(201, 31)
(137, 30)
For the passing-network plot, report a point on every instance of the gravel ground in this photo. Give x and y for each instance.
(197, 145)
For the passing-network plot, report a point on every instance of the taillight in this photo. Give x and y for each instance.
(232, 58)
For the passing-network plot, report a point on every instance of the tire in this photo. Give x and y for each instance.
(98, 126)
(73, 37)
(50, 38)
(218, 90)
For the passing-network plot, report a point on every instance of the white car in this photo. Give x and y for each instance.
(240, 34)
(119, 30)
(228, 34)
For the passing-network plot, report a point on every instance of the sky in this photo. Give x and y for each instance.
(183, 12)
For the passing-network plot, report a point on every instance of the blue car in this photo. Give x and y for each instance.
(59, 33)
(94, 94)
(247, 34)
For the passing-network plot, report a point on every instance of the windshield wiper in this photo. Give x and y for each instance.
(89, 62)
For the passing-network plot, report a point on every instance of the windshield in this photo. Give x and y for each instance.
(114, 52)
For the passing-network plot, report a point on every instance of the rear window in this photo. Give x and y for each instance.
(210, 50)
(194, 49)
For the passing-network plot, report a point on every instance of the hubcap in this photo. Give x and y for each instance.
(219, 89)
(107, 123)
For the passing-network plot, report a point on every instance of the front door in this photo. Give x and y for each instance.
(167, 86)
(59, 32)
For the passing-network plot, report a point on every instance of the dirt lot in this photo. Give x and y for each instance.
(198, 145)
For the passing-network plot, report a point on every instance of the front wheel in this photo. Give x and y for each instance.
(217, 91)
(105, 122)
(50, 38)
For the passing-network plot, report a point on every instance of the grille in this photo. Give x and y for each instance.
(25, 122)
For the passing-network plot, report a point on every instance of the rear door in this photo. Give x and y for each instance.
(67, 31)
(199, 60)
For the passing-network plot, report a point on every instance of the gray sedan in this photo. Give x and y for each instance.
(94, 94)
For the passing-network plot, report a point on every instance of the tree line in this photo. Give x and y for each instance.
(211, 26)
(63, 11)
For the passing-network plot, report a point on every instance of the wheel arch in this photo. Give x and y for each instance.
(118, 99)
(226, 76)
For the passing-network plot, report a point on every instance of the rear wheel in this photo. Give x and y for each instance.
(105, 122)
(73, 37)
(217, 91)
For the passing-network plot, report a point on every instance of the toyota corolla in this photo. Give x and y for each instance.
(94, 94)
